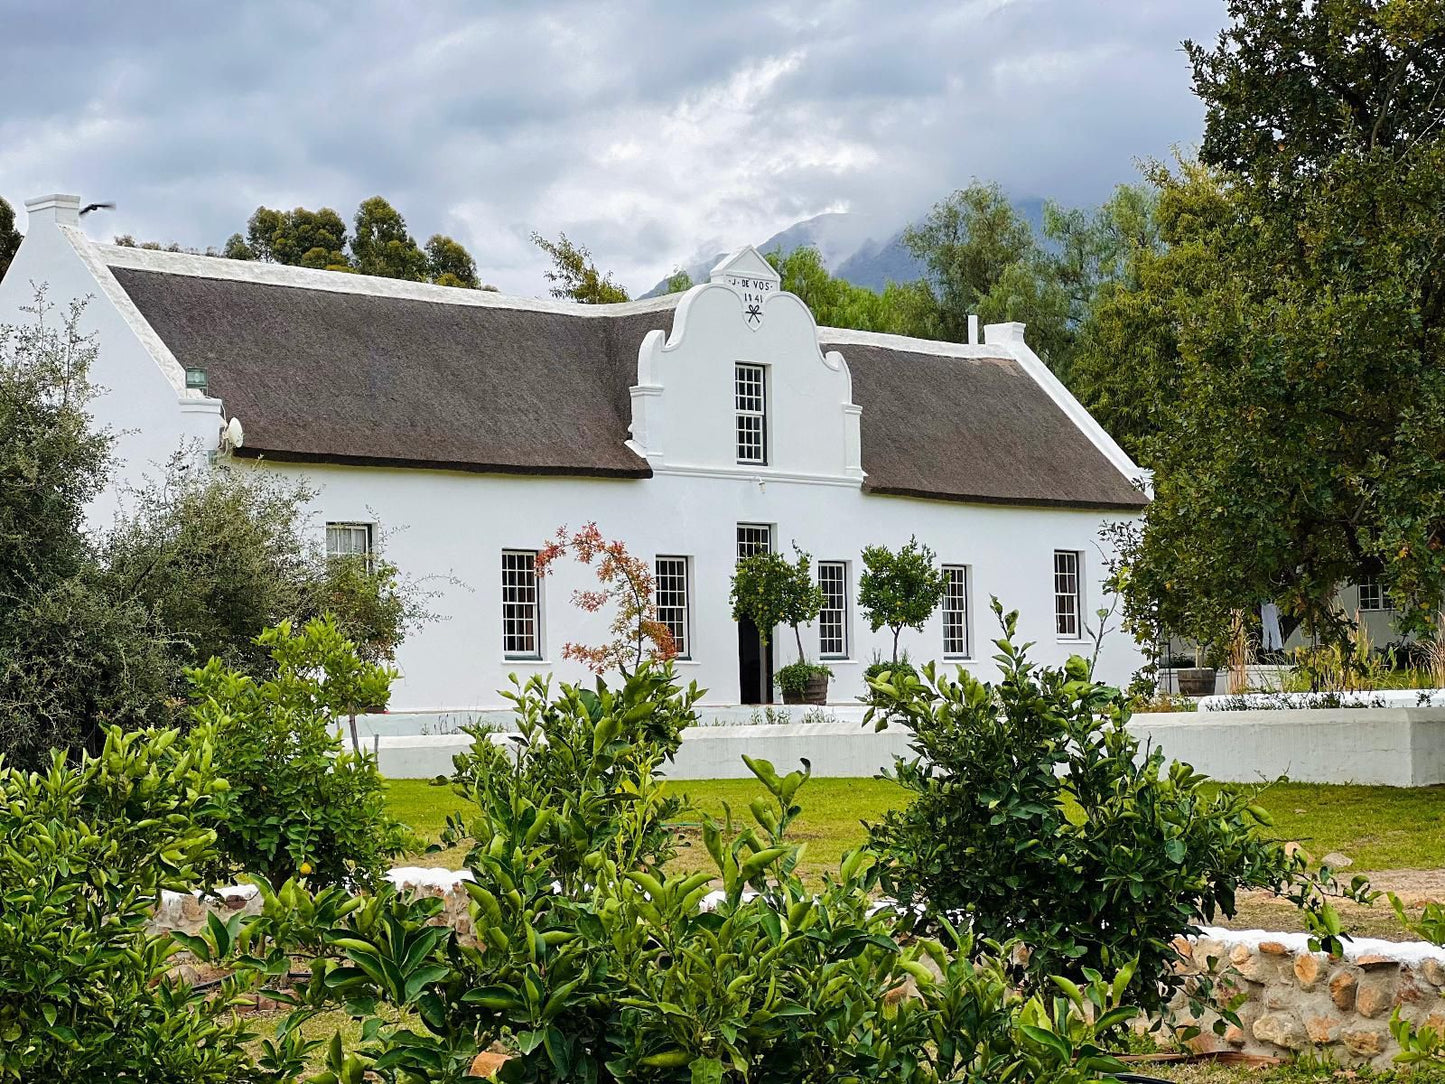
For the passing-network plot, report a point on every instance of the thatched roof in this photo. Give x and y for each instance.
(973, 429)
(404, 378)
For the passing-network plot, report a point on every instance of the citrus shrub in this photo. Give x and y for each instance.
(85, 851)
(591, 963)
(299, 803)
(1035, 814)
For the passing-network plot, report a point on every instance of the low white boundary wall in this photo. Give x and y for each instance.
(1398, 747)
(1395, 747)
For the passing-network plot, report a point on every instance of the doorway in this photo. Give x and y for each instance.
(755, 665)
(755, 659)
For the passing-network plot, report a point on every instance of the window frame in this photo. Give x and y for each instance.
(757, 375)
(844, 638)
(965, 612)
(368, 531)
(683, 643)
(767, 531)
(1381, 597)
(1076, 596)
(535, 604)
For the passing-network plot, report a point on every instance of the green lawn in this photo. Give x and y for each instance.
(1380, 828)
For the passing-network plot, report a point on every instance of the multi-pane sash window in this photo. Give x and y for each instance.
(1372, 593)
(349, 540)
(672, 601)
(521, 612)
(1068, 603)
(833, 618)
(955, 611)
(754, 538)
(751, 407)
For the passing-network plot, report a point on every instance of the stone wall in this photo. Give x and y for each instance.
(1295, 1000)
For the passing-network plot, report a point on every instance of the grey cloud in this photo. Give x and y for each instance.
(646, 130)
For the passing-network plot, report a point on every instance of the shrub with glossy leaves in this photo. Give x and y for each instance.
(592, 964)
(299, 803)
(85, 851)
(1035, 815)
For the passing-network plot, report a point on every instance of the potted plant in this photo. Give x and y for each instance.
(773, 591)
(803, 682)
(1197, 680)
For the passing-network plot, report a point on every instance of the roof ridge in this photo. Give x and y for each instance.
(342, 282)
(845, 336)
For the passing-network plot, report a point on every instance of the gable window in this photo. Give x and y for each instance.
(349, 540)
(833, 618)
(955, 612)
(1068, 597)
(521, 609)
(754, 538)
(750, 405)
(672, 602)
(1372, 593)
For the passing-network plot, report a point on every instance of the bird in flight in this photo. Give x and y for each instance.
(96, 207)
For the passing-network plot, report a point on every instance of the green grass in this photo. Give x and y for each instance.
(1378, 827)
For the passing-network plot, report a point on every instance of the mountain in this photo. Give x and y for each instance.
(847, 244)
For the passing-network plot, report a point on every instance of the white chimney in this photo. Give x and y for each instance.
(972, 329)
(61, 210)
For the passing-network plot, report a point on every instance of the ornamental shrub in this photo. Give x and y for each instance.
(86, 992)
(900, 590)
(591, 963)
(771, 591)
(299, 804)
(1036, 815)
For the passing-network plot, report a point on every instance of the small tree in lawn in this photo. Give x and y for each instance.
(900, 590)
(637, 635)
(772, 591)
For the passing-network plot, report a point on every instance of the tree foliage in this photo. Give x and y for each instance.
(378, 244)
(900, 590)
(297, 803)
(1290, 338)
(770, 590)
(10, 237)
(627, 585)
(1035, 814)
(574, 275)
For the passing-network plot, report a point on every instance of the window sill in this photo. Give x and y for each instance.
(959, 658)
(838, 660)
(525, 660)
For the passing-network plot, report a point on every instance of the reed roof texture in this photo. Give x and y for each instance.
(330, 376)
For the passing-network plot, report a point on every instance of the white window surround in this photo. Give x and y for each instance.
(1068, 594)
(957, 643)
(521, 606)
(750, 408)
(673, 599)
(754, 538)
(833, 639)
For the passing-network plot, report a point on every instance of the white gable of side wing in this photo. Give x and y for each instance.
(683, 417)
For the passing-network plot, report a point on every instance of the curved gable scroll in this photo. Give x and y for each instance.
(683, 415)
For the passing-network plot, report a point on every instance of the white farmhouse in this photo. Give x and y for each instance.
(468, 427)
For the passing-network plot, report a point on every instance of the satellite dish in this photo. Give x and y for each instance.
(233, 436)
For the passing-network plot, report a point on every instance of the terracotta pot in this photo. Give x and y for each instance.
(1196, 681)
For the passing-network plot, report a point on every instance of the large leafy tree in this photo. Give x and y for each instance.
(1300, 438)
(381, 244)
(299, 237)
(901, 309)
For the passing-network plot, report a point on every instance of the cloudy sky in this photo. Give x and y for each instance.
(649, 131)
